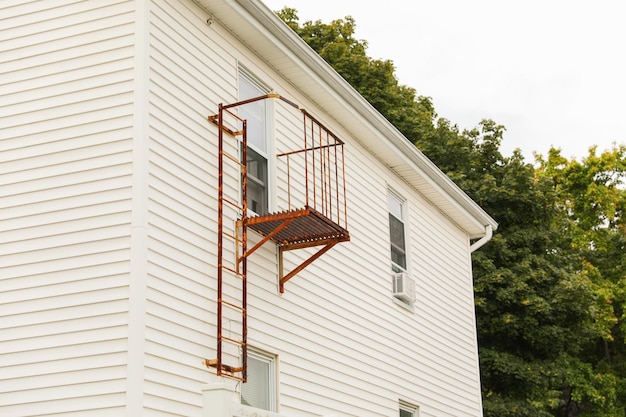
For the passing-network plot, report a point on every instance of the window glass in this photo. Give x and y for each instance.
(395, 206)
(259, 390)
(256, 115)
(257, 182)
(397, 233)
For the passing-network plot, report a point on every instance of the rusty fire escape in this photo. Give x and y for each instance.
(311, 214)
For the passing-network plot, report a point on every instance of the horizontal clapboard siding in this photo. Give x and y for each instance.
(189, 74)
(65, 201)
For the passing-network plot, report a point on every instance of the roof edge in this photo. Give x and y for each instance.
(257, 13)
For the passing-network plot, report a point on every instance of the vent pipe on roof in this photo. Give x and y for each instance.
(480, 242)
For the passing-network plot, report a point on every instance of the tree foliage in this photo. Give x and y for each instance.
(550, 288)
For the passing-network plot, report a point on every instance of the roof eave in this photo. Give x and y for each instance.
(259, 27)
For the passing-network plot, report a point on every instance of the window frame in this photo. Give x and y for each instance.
(395, 267)
(266, 183)
(399, 207)
(271, 384)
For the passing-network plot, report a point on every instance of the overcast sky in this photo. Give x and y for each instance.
(553, 72)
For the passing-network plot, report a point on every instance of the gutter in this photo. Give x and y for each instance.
(480, 242)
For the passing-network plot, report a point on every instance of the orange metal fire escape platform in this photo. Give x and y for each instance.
(297, 229)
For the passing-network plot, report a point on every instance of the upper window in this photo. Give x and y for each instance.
(256, 115)
(407, 410)
(397, 233)
(260, 389)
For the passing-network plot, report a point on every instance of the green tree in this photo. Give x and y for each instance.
(374, 79)
(592, 193)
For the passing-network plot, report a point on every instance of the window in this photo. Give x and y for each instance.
(260, 389)
(397, 233)
(256, 114)
(407, 410)
(403, 285)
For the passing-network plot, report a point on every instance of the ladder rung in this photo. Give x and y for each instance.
(228, 368)
(235, 306)
(236, 238)
(231, 270)
(214, 119)
(232, 203)
(232, 158)
(237, 342)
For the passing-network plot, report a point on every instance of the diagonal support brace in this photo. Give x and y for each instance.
(269, 236)
(284, 278)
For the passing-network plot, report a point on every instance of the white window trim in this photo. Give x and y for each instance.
(272, 383)
(411, 408)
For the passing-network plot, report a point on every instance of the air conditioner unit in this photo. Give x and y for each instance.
(403, 287)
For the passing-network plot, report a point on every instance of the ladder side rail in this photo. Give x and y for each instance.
(220, 230)
(244, 249)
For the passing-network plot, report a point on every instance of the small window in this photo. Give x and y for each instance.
(260, 389)
(397, 233)
(256, 115)
(402, 284)
(408, 410)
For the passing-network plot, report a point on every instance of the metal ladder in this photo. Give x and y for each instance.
(232, 227)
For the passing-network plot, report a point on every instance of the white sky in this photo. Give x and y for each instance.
(553, 72)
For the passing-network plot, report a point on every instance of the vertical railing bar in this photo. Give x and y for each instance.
(306, 160)
(288, 184)
(320, 169)
(345, 195)
(337, 182)
(329, 178)
(323, 172)
(313, 167)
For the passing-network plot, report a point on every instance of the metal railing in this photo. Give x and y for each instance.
(321, 168)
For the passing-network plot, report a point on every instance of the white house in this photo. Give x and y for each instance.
(109, 231)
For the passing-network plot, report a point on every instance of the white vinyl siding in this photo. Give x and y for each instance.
(190, 73)
(65, 192)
